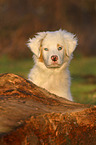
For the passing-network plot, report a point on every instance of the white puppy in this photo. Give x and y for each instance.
(52, 54)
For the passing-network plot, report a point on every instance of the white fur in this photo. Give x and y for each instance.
(52, 75)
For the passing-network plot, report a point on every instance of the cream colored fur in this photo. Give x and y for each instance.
(53, 75)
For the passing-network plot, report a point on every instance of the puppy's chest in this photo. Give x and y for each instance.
(52, 81)
(49, 79)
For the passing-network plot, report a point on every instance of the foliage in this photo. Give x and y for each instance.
(20, 20)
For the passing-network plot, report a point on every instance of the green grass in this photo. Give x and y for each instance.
(83, 66)
(83, 72)
(20, 67)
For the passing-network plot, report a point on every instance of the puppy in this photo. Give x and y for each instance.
(52, 53)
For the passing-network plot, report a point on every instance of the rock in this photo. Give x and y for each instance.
(30, 115)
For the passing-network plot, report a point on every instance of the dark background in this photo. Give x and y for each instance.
(21, 19)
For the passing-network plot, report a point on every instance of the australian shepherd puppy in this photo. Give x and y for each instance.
(52, 53)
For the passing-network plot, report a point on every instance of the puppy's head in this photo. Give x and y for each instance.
(52, 48)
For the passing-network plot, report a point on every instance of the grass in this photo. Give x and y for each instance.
(20, 67)
(83, 72)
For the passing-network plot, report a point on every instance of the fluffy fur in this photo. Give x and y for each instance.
(52, 54)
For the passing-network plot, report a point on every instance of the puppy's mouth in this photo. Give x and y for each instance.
(54, 65)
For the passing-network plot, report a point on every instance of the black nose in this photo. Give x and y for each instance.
(54, 57)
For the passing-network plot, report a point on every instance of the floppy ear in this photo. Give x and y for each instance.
(35, 43)
(70, 42)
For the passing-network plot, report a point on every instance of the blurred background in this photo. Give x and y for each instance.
(21, 19)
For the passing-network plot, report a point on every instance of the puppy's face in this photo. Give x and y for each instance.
(51, 48)
(53, 51)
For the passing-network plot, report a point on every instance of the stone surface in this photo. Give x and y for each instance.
(30, 115)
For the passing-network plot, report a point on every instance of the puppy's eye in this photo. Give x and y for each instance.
(59, 48)
(46, 49)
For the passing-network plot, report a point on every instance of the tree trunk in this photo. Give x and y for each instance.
(30, 115)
